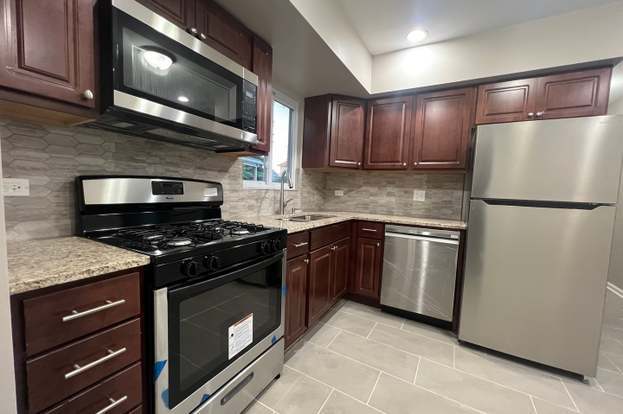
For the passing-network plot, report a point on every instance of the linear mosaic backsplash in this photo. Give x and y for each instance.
(51, 157)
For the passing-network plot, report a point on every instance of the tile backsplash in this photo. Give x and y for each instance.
(51, 157)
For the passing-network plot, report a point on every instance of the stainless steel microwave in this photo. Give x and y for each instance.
(161, 82)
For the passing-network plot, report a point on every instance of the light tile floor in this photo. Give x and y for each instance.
(360, 360)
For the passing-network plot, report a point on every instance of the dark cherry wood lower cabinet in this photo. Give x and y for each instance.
(341, 266)
(296, 299)
(319, 294)
(366, 280)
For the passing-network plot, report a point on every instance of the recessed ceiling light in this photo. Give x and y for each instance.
(183, 99)
(417, 35)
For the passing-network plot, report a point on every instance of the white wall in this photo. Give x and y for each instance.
(582, 36)
(330, 22)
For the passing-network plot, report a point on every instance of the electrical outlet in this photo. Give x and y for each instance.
(339, 193)
(16, 187)
(419, 195)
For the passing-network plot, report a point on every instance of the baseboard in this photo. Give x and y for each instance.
(615, 289)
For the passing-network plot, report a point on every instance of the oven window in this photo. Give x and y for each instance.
(154, 67)
(201, 321)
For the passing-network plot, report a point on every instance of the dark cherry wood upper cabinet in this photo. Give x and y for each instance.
(333, 132)
(341, 267)
(574, 94)
(296, 299)
(47, 49)
(263, 68)
(388, 133)
(506, 101)
(180, 12)
(367, 272)
(319, 292)
(442, 129)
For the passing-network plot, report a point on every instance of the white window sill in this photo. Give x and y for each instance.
(254, 185)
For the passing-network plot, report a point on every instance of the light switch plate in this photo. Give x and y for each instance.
(339, 193)
(16, 187)
(419, 195)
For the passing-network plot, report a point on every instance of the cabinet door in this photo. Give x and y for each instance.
(296, 299)
(341, 261)
(443, 123)
(179, 12)
(506, 101)
(320, 269)
(263, 68)
(583, 93)
(368, 268)
(46, 49)
(223, 32)
(388, 133)
(347, 132)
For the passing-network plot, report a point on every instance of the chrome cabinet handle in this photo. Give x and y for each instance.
(79, 369)
(202, 36)
(88, 95)
(530, 114)
(306, 261)
(359, 163)
(77, 315)
(378, 244)
(333, 247)
(367, 229)
(300, 244)
(404, 164)
(539, 114)
(113, 404)
(193, 31)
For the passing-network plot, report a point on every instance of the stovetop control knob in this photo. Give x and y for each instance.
(189, 267)
(265, 247)
(211, 262)
(276, 245)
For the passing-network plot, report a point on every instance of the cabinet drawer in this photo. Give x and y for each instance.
(298, 244)
(54, 376)
(117, 394)
(370, 229)
(329, 234)
(59, 317)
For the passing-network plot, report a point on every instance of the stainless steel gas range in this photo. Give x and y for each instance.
(215, 289)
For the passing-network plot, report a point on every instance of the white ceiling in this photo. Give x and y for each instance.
(383, 24)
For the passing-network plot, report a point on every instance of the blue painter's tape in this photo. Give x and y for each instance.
(205, 398)
(274, 339)
(284, 290)
(158, 367)
(165, 397)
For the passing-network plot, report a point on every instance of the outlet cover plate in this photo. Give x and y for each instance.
(419, 195)
(339, 193)
(16, 187)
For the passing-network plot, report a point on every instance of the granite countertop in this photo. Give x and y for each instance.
(338, 217)
(37, 264)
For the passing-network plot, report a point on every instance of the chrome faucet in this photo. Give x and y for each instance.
(283, 203)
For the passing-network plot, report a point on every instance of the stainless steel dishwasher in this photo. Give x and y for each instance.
(419, 271)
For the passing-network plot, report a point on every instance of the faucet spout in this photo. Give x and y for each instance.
(285, 177)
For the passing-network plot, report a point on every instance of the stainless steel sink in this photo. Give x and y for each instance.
(306, 217)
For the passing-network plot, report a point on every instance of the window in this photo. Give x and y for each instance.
(265, 171)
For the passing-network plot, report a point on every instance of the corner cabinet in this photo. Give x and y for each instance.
(47, 49)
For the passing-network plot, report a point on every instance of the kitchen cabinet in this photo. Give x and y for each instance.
(388, 133)
(47, 49)
(319, 294)
(366, 280)
(573, 94)
(180, 12)
(263, 68)
(334, 132)
(296, 299)
(341, 266)
(442, 129)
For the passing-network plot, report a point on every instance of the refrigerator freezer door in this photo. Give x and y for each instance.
(566, 160)
(535, 282)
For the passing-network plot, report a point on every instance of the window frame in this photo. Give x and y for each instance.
(267, 184)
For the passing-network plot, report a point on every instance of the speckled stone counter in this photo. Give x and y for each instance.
(37, 264)
(338, 217)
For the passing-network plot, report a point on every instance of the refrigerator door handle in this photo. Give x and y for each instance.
(543, 204)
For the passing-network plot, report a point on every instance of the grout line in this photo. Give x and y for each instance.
(599, 385)
(616, 367)
(372, 330)
(373, 388)
(334, 338)
(417, 369)
(533, 405)
(449, 399)
(264, 405)
(577, 409)
(325, 401)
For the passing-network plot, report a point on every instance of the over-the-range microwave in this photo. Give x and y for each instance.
(158, 81)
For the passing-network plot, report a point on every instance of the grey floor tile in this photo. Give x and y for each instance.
(514, 375)
(340, 403)
(393, 396)
(605, 362)
(305, 397)
(322, 334)
(616, 359)
(543, 407)
(613, 333)
(472, 391)
(430, 331)
(257, 408)
(591, 401)
(278, 388)
(353, 378)
(611, 382)
(412, 343)
(611, 346)
(378, 355)
(351, 323)
(374, 314)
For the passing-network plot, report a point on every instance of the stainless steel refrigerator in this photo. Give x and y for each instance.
(539, 236)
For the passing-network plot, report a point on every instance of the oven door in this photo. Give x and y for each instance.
(161, 71)
(207, 331)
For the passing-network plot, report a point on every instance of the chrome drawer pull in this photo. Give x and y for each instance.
(77, 315)
(113, 404)
(367, 229)
(300, 244)
(80, 369)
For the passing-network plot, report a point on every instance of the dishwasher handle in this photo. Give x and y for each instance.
(422, 238)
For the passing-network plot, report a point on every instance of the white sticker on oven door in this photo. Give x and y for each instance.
(240, 335)
(210, 192)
